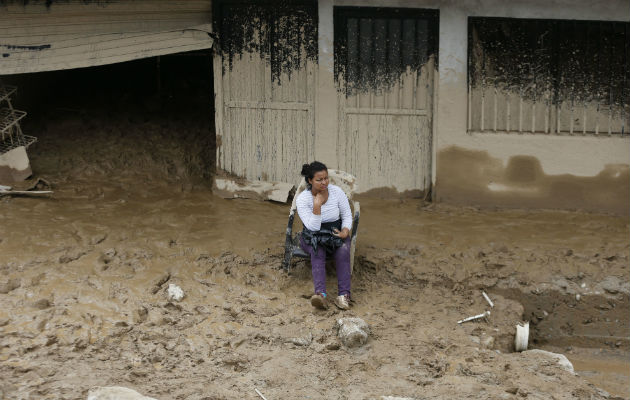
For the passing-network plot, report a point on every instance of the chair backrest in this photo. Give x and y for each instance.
(345, 181)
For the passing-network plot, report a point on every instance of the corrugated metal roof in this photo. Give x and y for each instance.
(43, 36)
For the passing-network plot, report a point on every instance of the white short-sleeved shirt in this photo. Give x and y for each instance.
(337, 206)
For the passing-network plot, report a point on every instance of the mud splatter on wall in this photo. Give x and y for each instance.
(577, 72)
(374, 47)
(277, 30)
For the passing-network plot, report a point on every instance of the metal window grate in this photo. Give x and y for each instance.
(374, 47)
(548, 76)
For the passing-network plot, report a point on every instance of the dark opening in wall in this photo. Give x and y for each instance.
(551, 76)
(152, 118)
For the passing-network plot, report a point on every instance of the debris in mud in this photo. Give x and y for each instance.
(485, 296)
(115, 393)
(159, 283)
(24, 192)
(474, 317)
(260, 394)
(353, 332)
(174, 292)
(234, 188)
(522, 337)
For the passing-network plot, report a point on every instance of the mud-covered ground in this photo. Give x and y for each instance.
(83, 276)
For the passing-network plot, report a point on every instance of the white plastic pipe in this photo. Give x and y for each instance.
(522, 337)
(474, 317)
(485, 296)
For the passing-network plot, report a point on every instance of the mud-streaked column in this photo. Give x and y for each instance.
(326, 110)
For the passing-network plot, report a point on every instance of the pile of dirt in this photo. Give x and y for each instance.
(152, 147)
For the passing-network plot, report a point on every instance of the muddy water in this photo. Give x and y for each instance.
(158, 215)
(604, 368)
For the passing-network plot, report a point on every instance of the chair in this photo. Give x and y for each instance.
(292, 248)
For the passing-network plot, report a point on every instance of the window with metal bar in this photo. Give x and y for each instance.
(548, 76)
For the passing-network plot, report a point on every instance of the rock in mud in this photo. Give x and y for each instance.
(115, 393)
(42, 304)
(174, 292)
(353, 332)
(562, 361)
(487, 342)
(302, 341)
(140, 315)
(9, 286)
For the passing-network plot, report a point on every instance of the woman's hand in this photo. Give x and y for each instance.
(343, 234)
(320, 198)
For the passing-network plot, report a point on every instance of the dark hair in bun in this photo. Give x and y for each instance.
(309, 170)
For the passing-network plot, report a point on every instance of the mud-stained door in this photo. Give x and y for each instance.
(385, 60)
(264, 84)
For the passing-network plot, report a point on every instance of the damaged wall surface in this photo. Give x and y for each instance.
(52, 35)
(264, 87)
(579, 171)
(548, 76)
(385, 61)
(378, 104)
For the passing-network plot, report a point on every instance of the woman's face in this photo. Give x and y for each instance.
(319, 181)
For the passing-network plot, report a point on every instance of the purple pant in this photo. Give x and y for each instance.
(318, 265)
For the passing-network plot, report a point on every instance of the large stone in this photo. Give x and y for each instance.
(115, 393)
(174, 293)
(562, 361)
(353, 332)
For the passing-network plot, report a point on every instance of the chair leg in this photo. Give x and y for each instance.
(288, 244)
(355, 227)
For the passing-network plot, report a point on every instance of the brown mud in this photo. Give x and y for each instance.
(83, 276)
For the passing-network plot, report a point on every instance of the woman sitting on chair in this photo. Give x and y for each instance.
(325, 213)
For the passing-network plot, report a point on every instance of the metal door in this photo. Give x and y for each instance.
(385, 61)
(264, 85)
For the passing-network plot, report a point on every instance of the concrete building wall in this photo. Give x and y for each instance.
(494, 169)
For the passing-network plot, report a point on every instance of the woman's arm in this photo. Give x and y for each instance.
(309, 219)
